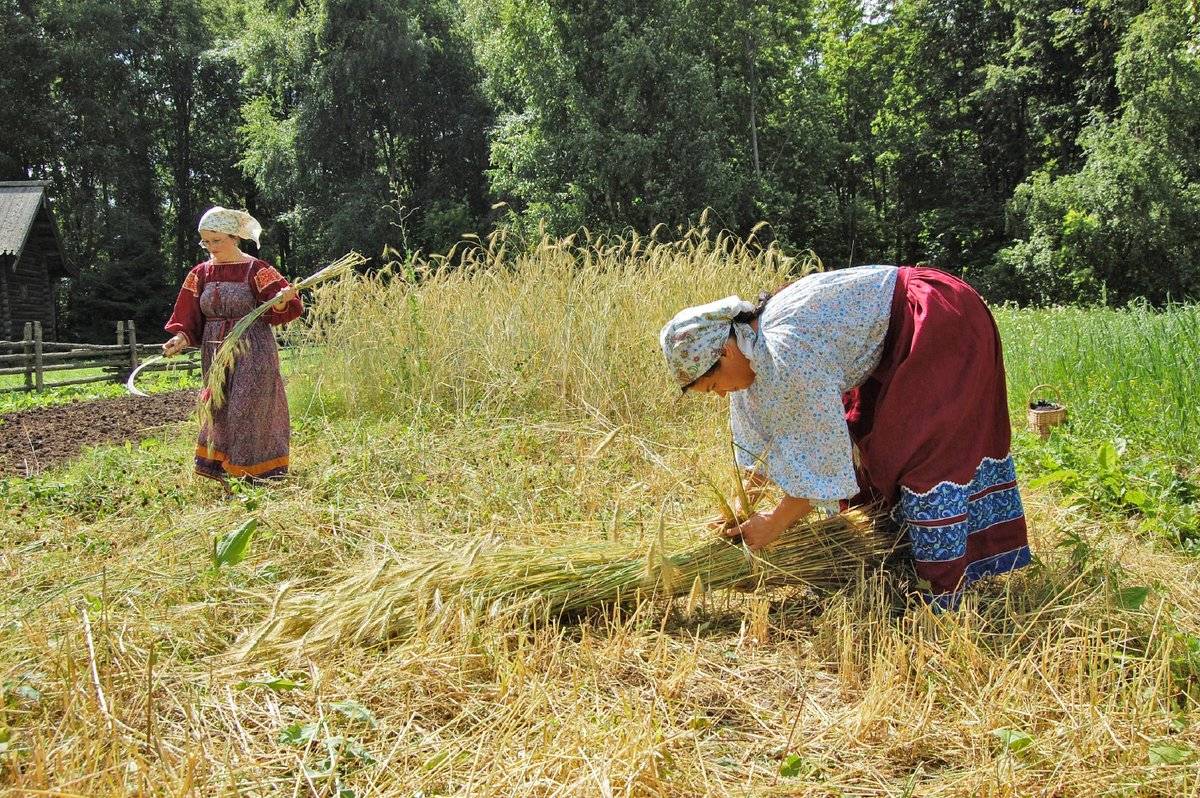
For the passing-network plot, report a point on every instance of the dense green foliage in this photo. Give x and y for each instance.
(1048, 150)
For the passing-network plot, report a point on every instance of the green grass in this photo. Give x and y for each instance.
(150, 383)
(1132, 373)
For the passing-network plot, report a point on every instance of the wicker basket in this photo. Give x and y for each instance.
(1041, 419)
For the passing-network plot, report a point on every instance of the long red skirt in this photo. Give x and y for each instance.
(932, 429)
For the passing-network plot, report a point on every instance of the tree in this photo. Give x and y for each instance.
(367, 130)
(103, 169)
(856, 71)
(197, 89)
(25, 77)
(1127, 223)
(634, 114)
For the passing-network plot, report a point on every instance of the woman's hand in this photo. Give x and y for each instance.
(721, 523)
(282, 299)
(175, 345)
(758, 531)
(762, 529)
(755, 485)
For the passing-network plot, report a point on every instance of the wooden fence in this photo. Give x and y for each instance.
(34, 358)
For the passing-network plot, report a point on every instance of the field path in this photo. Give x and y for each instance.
(32, 440)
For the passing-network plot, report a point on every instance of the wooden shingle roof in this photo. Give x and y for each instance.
(25, 218)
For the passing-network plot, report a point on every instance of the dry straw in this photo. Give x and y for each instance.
(396, 600)
(212, 397)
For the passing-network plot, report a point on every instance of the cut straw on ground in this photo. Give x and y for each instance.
(394, 600)
(446, 399)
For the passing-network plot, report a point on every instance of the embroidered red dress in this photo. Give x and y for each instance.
(249, 435)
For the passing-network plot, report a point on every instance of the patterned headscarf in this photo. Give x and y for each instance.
(231, 222)
(692, 341)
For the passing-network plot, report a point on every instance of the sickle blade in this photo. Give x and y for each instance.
(129, 383)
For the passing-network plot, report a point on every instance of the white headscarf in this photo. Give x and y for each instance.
(692, 341)
(231, 222)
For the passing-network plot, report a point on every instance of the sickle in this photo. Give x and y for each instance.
(133, 375)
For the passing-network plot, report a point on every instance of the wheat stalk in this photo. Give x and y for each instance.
(397, 599)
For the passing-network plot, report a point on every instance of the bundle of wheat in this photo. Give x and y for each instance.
(212, 395)
(395, 599)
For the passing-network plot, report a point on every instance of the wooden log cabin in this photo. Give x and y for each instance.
(31, 259)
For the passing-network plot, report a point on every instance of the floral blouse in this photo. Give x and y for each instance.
(264, 280)
(817, 338)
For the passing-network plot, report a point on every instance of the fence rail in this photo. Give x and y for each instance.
(34, 358)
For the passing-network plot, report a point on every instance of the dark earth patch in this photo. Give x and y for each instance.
(37, 439)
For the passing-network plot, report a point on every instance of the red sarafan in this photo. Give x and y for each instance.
(249, 435)
(933, 433)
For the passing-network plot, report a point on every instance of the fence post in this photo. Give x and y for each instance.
(27, 350)
(133, 358)
(37, 353)
(120, 333)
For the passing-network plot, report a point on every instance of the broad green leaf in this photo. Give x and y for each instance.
(1136, 498)
(1166, 754)
(354, 749)
(1106, 458)
(325, 767)
(28, 693)
(20, 691)
(795, 765)
(1152, 527)
(299, 734)
(1132, 598)
(354, 711)
(277, 683)
(268, 572)
(1061, 475)
(6, 738)
(1014, 741)
(231, 549)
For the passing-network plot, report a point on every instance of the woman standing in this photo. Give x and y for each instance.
(249, 434)
(899, 366)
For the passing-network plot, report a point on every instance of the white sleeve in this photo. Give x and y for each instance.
(815, 461)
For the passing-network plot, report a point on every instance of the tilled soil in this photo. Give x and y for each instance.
(32, 440)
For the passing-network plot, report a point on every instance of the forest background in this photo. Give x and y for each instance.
(1047, 150)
